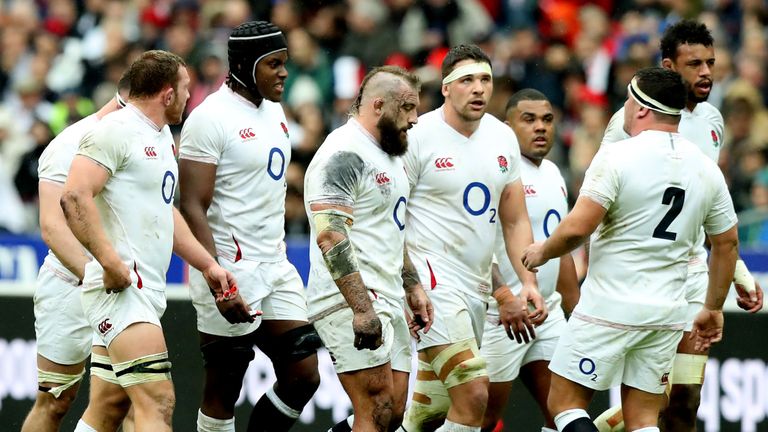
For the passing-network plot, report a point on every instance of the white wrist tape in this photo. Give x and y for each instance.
(741, 276)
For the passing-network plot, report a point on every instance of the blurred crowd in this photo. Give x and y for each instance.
(61, 59)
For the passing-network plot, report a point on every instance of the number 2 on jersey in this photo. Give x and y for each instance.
(674, 196)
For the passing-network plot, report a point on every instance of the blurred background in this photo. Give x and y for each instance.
(60, 60)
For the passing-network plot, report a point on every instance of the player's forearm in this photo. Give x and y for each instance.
(517, 236)
(409, 273)
(721, 266)
(567, 237)
(353, 289)
(84, 222)
(568, 283)
(497, 280)
(64, 245)
(194, 214)
(186, 245)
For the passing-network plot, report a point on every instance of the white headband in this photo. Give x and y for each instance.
(467, 69)
(648, 102)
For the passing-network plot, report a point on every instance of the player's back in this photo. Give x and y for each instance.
(658, 189)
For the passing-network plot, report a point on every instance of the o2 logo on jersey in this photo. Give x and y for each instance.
(551, 213)
(587, 367)
(169, 187)
(399, 213)
(477, 207)
(276, 156)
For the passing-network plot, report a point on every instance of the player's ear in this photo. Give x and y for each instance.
(168, 96)
(444, 90)
(667, 63)
(377, 104)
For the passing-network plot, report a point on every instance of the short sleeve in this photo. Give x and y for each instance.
(615, 130)
(54, 163)
(411, 160)
(335, 181)
(105, 146)
(601, 182)
(201, 140)
(513, 172)
(721, 216)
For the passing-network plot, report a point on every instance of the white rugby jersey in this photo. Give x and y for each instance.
(547, 202)
(136, 204)
(704, 127)
(456, 183)
(249, 146)
(659, 190)
(54, 167)
(351, 170)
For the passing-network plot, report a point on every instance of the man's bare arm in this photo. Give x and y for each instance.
(332, 223)
(55, 232)
(568, 283)
(196, 186)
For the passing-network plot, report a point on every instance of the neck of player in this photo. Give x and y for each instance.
(534, 160)
(461, 125)
(154, 109)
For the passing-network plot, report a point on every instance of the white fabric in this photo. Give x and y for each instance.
(600, 357)
(136, 203)
(456, 183)
(696, 285)
(467, 69)
(564, 418)
(450, 426)
(280, 405)
(54, 164)
(62, 333)
(82, 426)
(636, 277)
(704, 126)
(457, 318)
(546, 200)
(275, 288)
(110, 314)
(210, 424)
(504, 356)
(250, 147)
(337, 335)
(351, 170)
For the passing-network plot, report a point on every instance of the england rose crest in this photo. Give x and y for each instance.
(285, 129)
(503, 166)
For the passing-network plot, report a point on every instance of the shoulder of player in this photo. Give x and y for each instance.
(708, 111)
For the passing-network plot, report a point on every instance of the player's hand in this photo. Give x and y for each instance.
(367, 328)
(421, 306)
(750, 301)
(513, 315)
(219, 280)
(116, 277)
(532, 297)
(707, 328)
(533, 256)
(235, 309)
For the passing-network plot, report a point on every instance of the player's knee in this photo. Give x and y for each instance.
(475, 396)
(382, 404)
(302, 378)
(112, 404)
(55, 407)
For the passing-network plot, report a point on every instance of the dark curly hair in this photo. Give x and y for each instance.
(684, 32)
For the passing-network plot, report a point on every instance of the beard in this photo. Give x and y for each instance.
(393, 141)
(692, 97)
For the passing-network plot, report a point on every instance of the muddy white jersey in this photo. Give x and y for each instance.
(350, 169)
(54, 167)
(658, 189)
(547, 202)
(249, 146)
(136, 203)
(704, 127)
(456, 183)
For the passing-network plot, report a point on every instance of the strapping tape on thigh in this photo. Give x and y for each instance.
(688, 369)
(295, 344)
(463, 372)
(150, 368)
(101, 366)
(65, 381)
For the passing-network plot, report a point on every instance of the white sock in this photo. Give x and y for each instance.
(648, 429)
(282, 406)
(210, 424)
(546, 429)
(83, 427)
(450, 426)
(351, 420)
(564, 418)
